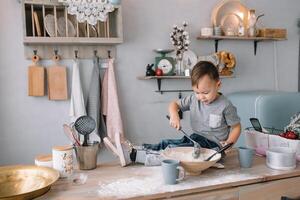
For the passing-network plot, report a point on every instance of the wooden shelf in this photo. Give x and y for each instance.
(72, 40)
(159, 78)
(171, 77)
(238, 38)
(254, 39)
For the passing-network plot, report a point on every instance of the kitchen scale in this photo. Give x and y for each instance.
(165, 63)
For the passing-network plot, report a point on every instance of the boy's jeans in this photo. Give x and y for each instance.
(183, 142)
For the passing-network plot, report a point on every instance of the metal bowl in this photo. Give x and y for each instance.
(22, 182)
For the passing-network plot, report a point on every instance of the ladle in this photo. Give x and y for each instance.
(197, 147)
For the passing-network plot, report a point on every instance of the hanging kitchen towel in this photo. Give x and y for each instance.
(93, 102)
(77, 107)
(110, 103)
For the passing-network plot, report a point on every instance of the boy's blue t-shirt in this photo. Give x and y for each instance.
(212, 121)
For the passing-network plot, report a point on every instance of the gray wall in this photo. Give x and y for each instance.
(31, 126)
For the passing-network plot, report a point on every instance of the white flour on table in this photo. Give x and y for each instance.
(128, 187)
(150, 182)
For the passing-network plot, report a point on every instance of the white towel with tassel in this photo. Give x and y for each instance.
(77, 106)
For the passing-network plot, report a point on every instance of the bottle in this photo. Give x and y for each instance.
(252, 23)
(241, 31)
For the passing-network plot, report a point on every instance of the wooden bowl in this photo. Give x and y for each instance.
(22, 182)
(191, 165)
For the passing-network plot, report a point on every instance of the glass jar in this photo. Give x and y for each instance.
(179, 65)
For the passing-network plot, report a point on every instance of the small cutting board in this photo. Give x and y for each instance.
(57, 83)
(36, 78)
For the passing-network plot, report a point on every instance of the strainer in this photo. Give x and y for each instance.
(85, 125)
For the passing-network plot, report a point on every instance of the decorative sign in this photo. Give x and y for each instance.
(89, 10)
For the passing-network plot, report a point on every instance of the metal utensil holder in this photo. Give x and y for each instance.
(87, 156)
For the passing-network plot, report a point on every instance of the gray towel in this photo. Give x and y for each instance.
(93, 106)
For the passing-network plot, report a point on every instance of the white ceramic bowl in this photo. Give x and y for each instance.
(207, 31)
(191, 165)
(281, 158)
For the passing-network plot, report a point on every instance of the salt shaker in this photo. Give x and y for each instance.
(63, 160)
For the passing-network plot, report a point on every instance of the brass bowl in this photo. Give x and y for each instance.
(22, 182)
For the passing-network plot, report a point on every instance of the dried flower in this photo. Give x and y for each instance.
(180, 39)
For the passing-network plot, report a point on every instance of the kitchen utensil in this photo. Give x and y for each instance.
(36, 78)
(50, 25)
(282, 158)
(61, 27)
(71, 135)
(220, 151)
(57, 81)
(191, 165)
(229, 6)
(43, 160)
(87, 155)
(207, 31)
(20, 182)
(85, 125)
(196, 152)
(172, 171)
(231, 21)
(245, 157)
(37, 24)
(63, 160)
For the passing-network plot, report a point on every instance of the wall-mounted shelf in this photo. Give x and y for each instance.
(254, 39)
(159, 78)
(64, 32)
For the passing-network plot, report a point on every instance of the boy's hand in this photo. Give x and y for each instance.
(175, 121)
(223, 143)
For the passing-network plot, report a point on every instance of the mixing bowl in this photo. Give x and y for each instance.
(191, 165)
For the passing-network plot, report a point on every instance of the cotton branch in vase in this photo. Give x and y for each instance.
(180, 40)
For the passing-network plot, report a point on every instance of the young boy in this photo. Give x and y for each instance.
(213, 118)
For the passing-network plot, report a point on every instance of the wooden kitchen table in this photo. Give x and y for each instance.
(110, 181)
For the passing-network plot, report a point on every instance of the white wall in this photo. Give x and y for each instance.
(31, 126)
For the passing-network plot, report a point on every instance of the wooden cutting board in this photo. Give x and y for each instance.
(36, 78)
(57, 83)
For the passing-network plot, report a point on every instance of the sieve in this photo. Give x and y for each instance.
(85, 125)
